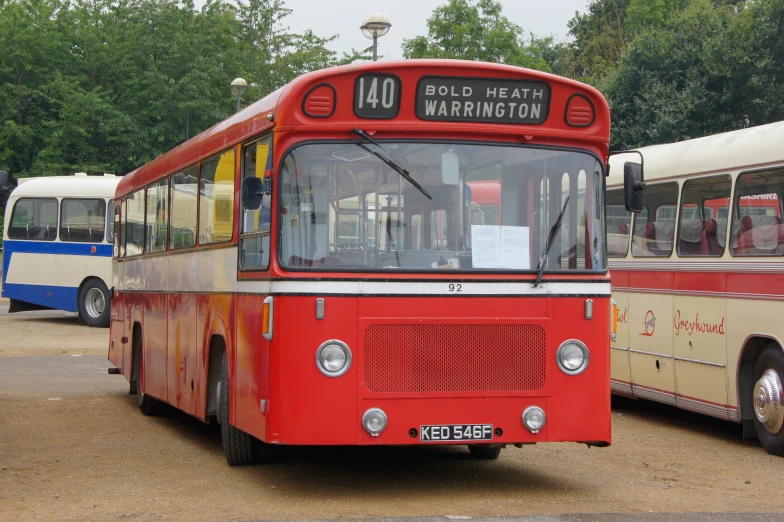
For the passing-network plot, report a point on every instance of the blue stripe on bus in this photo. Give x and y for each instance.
(56, 247)
(59, 297)
(51, 247)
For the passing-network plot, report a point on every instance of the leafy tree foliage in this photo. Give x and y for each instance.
(107, 85)
(475, 30)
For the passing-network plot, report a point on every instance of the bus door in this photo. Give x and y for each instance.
(699, 338)
(251, 358)
(651, 302)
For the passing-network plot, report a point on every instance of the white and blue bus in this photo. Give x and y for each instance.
(57, 245)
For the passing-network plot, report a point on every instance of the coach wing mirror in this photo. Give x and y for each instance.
(252, 193)
(633, 187)
(5, 190)
(450, 168)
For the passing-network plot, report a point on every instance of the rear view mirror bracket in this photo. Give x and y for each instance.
(633, 182)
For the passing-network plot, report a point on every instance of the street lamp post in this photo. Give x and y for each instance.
(374, 27)
(238, 86)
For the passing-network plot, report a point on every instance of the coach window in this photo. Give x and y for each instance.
(134, 224)
(654, 227)
(255, 232)
(699, 233)
(184, 187)
(157, 216)
(34, 219)
(619, 222)
(120, 235)
(757, 228)
(216, 199)
(82, 220)
(110, 222)
(116, 230)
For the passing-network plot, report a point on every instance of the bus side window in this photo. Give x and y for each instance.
(255, 225)
(134, 224)
(699, 234)
(619, 222)
(34, 219)
(757, 228)
(216, 199)
(82, 220)
(157, 216)
(654, 237)
(110, 222)
(182, 214)
(116, 229)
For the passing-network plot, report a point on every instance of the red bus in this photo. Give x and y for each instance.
(307, 272)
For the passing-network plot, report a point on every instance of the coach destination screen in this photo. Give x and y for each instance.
(482, 100)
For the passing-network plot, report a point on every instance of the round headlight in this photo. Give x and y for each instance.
(534, 418)
(333, 358)
(374, 421)
(572, 357)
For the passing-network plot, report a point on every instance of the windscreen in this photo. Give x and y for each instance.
(490, 208)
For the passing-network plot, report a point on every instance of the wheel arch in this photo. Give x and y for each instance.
(136, 333)
(217, 347)
(752, 347)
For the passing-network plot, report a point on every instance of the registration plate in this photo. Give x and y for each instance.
(456, 432)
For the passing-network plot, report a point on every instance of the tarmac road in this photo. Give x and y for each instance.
(74, 446)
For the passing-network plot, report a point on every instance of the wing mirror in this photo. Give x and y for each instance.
(5, 190)
(633, 187)
(252, 193)
(633, 182)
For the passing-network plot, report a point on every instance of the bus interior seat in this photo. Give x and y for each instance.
(690, 237)
(709, 243)
(665, 232)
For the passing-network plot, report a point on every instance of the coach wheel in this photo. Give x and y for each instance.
(237, 445)
(766, 399)
(148, 405)
(94, 304)
(484, 451)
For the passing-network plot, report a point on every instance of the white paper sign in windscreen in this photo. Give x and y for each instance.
(514, 248)
(500, 247)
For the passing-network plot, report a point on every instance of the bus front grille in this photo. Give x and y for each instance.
(454, 357)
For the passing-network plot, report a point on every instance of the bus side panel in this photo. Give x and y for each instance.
(305, 404)
(116, 325)
(155, 330)
(251, 368)
(214, 313)
(581, 403)
(182, 344)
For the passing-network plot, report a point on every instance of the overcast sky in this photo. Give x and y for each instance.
(409, 19)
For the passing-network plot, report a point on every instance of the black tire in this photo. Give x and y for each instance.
(149, 405)
(92, 294)
(771, 358)
(237, 445)
(484, 451)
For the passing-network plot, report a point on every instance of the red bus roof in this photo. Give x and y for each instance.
(285, 110)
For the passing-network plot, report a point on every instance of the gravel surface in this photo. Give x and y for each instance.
(73, 446)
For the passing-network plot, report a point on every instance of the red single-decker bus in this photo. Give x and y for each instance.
(312, 271)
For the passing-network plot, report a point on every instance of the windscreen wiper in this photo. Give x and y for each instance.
(553, 233)
(386, 157)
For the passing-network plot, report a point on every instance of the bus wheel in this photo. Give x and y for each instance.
(94, 304)
(237, 445)
(484, 451)
(148, 405)
(767, 401)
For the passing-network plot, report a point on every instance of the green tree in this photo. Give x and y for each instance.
(475, 30)
(709, 69)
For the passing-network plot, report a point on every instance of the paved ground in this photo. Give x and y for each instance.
(73, 446)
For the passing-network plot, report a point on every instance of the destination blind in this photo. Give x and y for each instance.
(482, 100)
